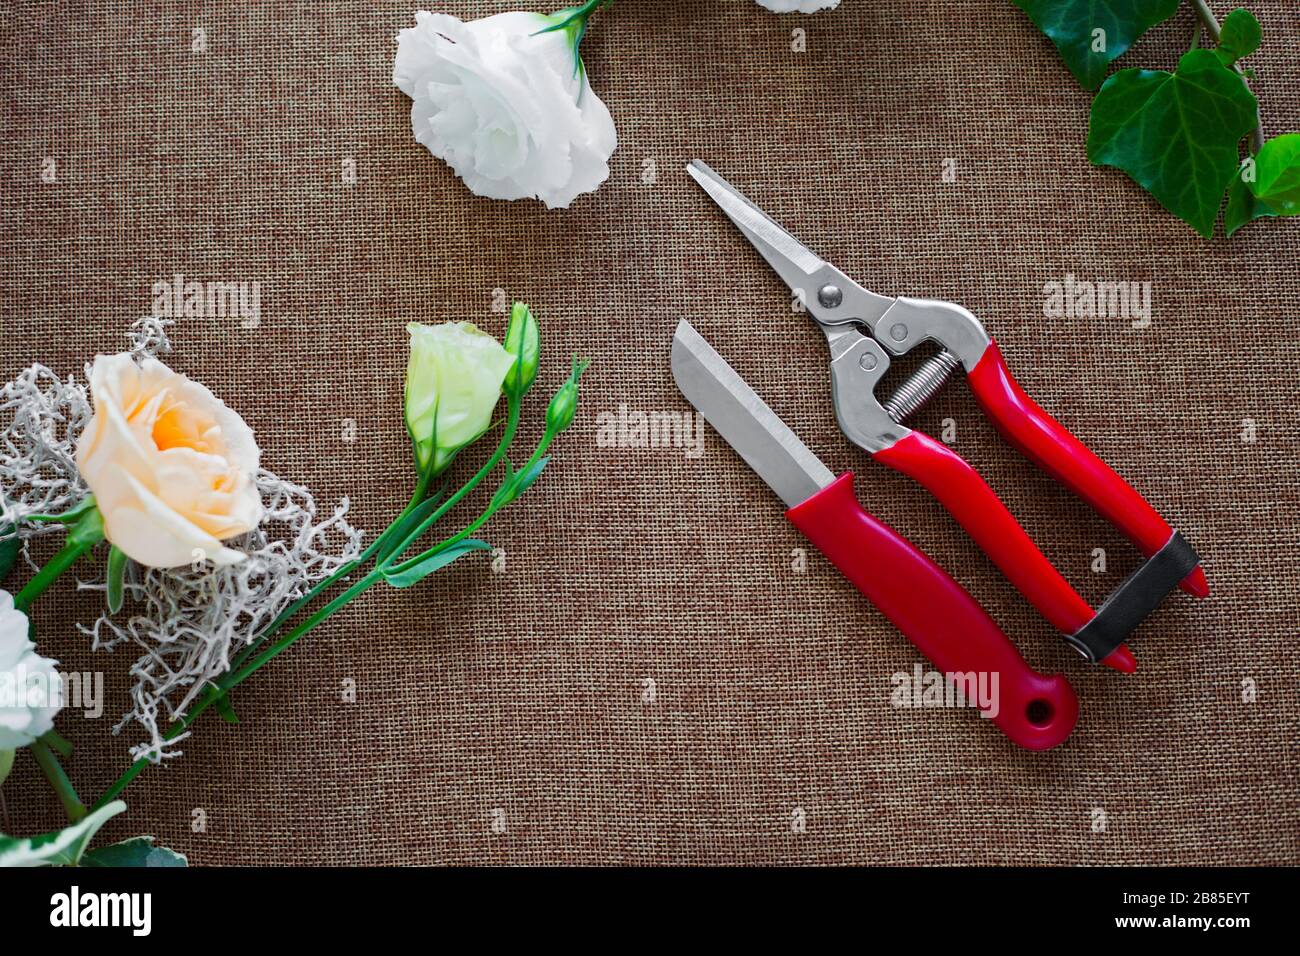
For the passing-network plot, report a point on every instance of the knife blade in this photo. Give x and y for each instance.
(749, 426)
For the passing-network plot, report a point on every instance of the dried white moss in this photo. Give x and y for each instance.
(186, 623)
(40, 417)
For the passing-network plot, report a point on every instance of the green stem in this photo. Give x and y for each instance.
(242, 668)
(493, 507)
(72, 549)
(235, 677)
(125, 779)
(60, 745)
(49, 764)
(421, 489)
(507, 438)
(573, 21)
(232, 678)
(575, 18)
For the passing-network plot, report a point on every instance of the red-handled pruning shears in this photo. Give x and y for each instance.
(863, 329)
(928, 606)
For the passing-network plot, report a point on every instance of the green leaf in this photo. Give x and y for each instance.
(9, 548)
(1242, 207)
(515, 484)
(502, 495)
(116, 578)
(71, 516)
(1175, 134)
(1277, 174)
(6, 764)
(215, 697)
(1240, 36)
(225, 708)
(439, 559)
(1091, 34)
(60, 848)
(88, 528)
(135, 852)
(408, 524)
(526, 478)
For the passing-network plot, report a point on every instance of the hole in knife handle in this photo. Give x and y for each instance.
(1039, 712)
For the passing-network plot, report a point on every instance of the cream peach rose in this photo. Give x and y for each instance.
(170, 466)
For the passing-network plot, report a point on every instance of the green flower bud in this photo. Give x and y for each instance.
(559, 414)
(453, 382)
(524, 342)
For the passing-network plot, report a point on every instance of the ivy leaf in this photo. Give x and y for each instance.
(1175, 134)
(135, 852)
(60, 848)
(1242, 207)
(1240, 36)
(439, 559)
(1277, 174)
(1091, 34)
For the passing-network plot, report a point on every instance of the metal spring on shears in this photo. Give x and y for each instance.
(921, 386)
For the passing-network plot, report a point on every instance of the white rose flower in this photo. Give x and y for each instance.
(170, 466)
(798, 6)
(30, 688)
(509, 109)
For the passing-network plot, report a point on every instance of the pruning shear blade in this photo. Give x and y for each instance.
(792, 260)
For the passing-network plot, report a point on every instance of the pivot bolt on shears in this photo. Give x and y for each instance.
(864, 329)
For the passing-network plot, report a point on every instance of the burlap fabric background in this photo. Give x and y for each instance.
(522, 695)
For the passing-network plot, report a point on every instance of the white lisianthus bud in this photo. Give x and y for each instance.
(30, 687)
(453, 381)
(508, 107)
(798, 6)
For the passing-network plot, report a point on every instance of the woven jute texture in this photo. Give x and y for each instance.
(652, 676)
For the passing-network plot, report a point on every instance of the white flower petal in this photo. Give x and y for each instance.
(503, 106)
(798, 6)
(30, 686)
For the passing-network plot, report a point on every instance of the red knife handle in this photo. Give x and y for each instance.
(970, 500)
(1049, 444)
(936, 614)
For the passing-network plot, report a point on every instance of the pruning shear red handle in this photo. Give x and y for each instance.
(863, 329)
(859, 362)
(1049, 445)
(936, 614)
